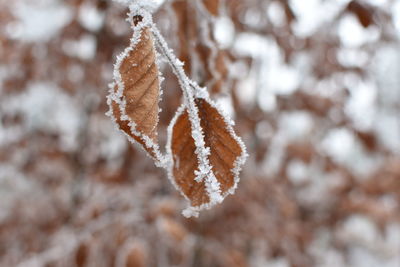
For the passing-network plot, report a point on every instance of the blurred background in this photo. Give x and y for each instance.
(314, 88)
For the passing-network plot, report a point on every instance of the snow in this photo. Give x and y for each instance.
(225, 103)
(149, 5)
(298, 172)
(360, 229)
(45, 106)
(271, 76)
(84, 48)
(360, 106)
(388, 130)
(32, 24)
(344, 148)
(90, 17)
(313, 14)
(276, 13)
(351, 57)
(247, 87)
(267, 101)
(353, 34)
(296, 125)
(396, 16)
(367, 246)
(224, 32)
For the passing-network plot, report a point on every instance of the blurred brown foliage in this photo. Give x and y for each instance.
(85, 197)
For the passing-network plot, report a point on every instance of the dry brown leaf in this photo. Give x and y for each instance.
(212, 6)
(364, 13)
(139, 73)
(136, 109)
(225, 150)
(81, 255)
(133, 254)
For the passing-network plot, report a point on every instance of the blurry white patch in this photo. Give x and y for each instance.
(353, 34)
(276, 13)
(312, 14)
(274, 159)
(272, 76)
(339, 143)
(392, 234)
(352, 57)
(292, 126)
(360, 106)
(84, 48)
(277, 262)
(159, 2)
(6, 70)
(266, 101)
(298, 172)
(38, 23)
(90, 17)
(303, 62)
(264, 130)
(396, 15)
(330, 87)
(153, 4)
(239, 69)
(385, 67)
(345, 148)
(224, 32)
(46, 107)
(321, 248)
(247, 88)
(283, 79)
(308, 19)
(360, 229)
(367, 247)
(250, 44)
(252, 17)
(319, 186)
(377, 2)
(389, 203)
(13, 186)
(115, 142)
(362, 257)
(350, 79)
(295, 125)
(225, 102)
(388, 130)
(75, 73)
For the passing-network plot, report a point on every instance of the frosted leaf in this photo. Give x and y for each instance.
(135, 94)
(205, 176)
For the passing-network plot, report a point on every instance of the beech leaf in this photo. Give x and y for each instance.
(227, 154)
(136, 91)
